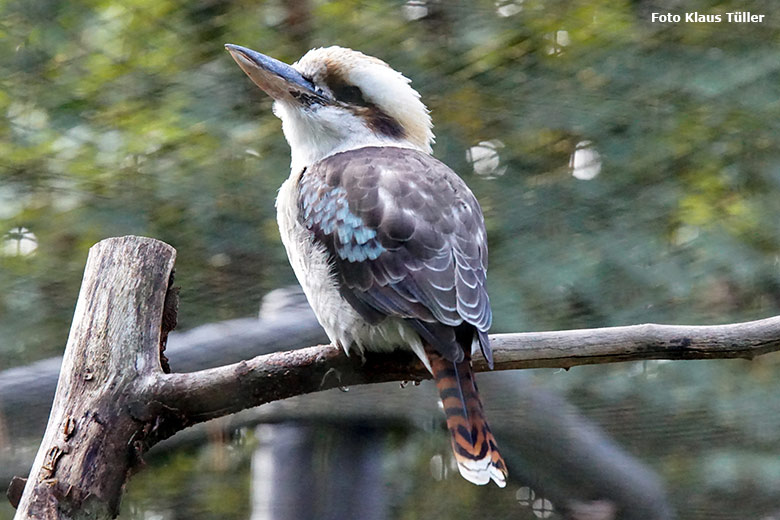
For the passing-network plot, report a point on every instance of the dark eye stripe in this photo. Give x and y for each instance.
(343, 91)
(349, 94)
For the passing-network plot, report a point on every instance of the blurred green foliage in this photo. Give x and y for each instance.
(208, 483)
(129, 117)
(132, 119)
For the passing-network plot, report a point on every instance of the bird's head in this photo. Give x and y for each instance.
(335, 99)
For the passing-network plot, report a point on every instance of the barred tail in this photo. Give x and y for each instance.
(473, 444)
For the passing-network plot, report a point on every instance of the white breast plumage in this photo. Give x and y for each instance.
(341, 322)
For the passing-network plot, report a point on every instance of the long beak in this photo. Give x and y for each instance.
(277, 79)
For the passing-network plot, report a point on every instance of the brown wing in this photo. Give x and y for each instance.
(407, 239)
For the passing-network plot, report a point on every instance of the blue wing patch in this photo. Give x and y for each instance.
(326, 208)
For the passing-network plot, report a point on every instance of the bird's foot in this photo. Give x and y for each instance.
(337, 374)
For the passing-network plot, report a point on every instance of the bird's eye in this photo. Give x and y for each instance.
(317, 89)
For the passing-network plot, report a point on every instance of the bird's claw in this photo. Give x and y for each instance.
(338, 377)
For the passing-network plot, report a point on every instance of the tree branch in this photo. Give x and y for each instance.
(113, 400)
(568, 348)
(89, 445)
(214, 392)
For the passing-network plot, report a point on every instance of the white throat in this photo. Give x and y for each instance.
(330, 130)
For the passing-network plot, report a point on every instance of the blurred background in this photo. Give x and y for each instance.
(629, 172)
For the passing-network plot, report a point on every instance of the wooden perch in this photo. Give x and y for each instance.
(113, 400)
(214, 392)
(92, 441)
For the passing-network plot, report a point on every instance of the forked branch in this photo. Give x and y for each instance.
(114, 401)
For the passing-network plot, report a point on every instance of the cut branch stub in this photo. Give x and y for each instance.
(113, 346)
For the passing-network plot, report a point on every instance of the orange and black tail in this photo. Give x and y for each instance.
(472, 442)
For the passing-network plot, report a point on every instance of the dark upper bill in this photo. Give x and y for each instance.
(277, 79)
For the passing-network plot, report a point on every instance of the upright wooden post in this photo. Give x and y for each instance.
(114, 343)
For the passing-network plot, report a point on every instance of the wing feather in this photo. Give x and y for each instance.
(407, 239)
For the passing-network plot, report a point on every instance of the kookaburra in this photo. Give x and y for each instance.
(388, 243)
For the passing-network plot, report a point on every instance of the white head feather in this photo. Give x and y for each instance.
(320, 130)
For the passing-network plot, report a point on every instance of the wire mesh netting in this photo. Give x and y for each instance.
(629, 172)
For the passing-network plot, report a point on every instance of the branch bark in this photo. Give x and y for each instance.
(88, 448)
(209, 393)
(113, 400)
